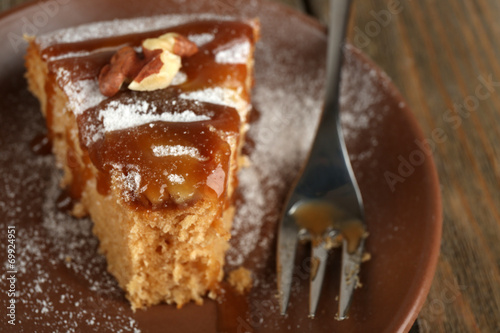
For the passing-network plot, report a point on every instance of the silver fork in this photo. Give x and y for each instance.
(325, 202)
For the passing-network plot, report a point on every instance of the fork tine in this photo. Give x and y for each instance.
(287, 245)
(349, 276)
(319, 256)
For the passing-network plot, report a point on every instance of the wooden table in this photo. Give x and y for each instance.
(445, 58)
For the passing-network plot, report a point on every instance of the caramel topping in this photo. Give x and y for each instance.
(202, 69)
(168, 146)
(165, 162)
(318, 217)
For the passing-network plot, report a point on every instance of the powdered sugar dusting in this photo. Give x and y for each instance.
(362, 97)
(179, 78)
(177, 150)
(248, 217)
(236, 54)
(201, 39)
(82, 94)
(275, 160)
(362, 102)
(118, 116)
(69, 55)
(120, 27)
(176, 179)
(131, 182)
(71, 247)
(216, 95)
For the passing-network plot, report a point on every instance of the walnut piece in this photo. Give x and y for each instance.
(161, 62)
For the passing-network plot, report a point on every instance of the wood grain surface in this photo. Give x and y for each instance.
(444, 56)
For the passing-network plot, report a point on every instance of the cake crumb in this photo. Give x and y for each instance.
(333, 242)
(241, 280)
(244, 161)
(79, 210)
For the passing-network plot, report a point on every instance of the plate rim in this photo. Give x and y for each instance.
(425, 281)
(434, 188)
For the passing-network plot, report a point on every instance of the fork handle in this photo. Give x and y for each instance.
(328, 172)
(337, 25)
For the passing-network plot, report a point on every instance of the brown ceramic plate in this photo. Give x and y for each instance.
(61, 282)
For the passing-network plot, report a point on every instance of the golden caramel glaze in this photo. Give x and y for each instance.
(202, 70)
(198, 153)
(318, 217)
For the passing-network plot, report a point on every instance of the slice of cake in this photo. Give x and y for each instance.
(148, 128)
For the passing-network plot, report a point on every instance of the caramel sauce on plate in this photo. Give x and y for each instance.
(318, 217)
(163, 163)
